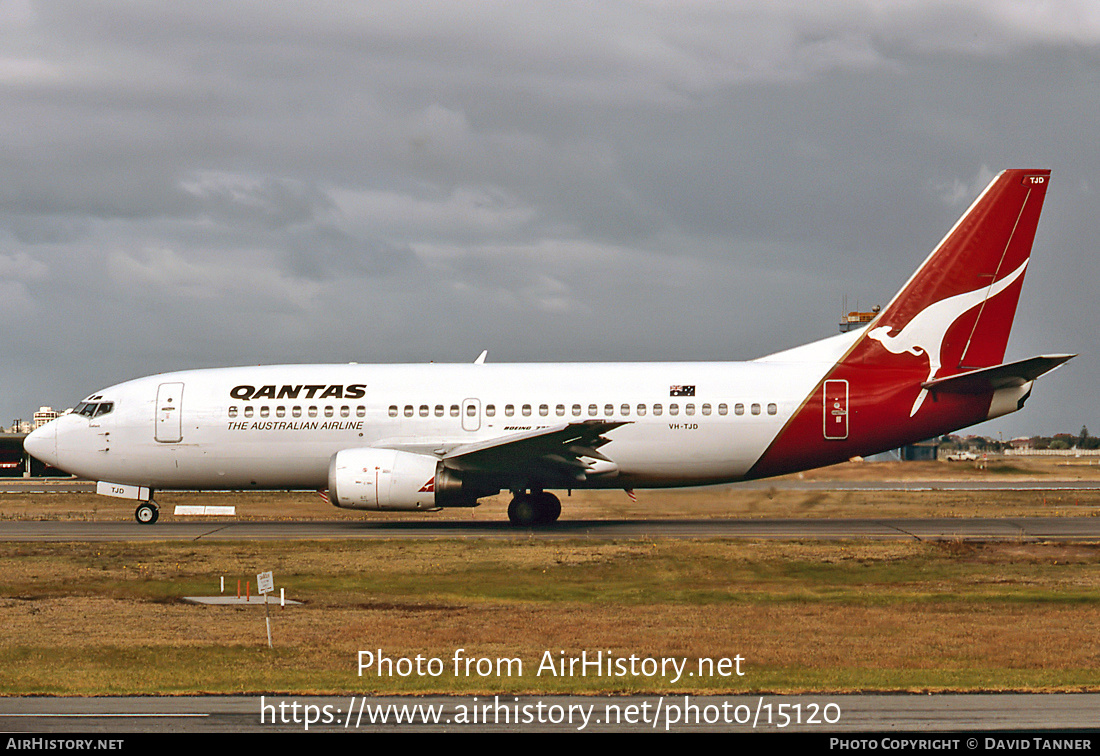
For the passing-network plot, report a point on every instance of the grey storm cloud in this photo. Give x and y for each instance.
(197, 184)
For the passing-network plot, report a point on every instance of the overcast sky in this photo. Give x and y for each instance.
(192, 184)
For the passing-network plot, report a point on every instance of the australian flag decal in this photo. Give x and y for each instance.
(681, 391)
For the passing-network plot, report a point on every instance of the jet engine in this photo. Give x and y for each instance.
(396, 480)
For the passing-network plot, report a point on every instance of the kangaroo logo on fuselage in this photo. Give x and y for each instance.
(924, 334)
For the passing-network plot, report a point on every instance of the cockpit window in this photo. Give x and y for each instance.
(94, 409)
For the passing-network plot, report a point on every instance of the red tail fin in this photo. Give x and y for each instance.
(958, 307)
(953, 315)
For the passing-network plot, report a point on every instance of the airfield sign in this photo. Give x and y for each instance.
(265, 584)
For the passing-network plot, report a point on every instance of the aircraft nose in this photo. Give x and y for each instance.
(42, 443)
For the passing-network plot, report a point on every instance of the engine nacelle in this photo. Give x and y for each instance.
(396, 480)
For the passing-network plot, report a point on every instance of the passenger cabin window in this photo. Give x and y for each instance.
(593, 410)
(609, 409)
(674, 409)
(490, 410)
(454, 410)
(755, 409)
(408, 410)
(526, 410)
(248, 411)
(423, 410)
(560, 410)
(772, 409)
(739, 409)
(297, 411)
(723, 409)
(689, 409)
(439, 410)
(576, 410)
(706, 409)
(641, 409)
(657, 409)
(625, 409)
(232, 411)
(328, 411)
(280, 411)
(312, 411)
(509, 410)
(393, 410)
(360, 411)
(544, 410)
(345, 411)
(264, 411)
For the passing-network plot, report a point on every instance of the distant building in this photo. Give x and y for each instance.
(43, 416)
(854, 320)
(922, 451)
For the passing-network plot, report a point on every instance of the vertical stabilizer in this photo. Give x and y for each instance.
(958, 307)
(953, 316)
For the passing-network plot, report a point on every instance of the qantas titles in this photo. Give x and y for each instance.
(327, 391)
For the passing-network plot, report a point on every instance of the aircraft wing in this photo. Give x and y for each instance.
(999, 376)
(569, 451)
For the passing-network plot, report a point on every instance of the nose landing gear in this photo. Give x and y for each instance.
(535, 508)
(147, 512)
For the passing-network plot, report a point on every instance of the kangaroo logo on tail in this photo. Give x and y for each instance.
(924, 334)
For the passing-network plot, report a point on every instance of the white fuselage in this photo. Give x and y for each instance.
(278, 426)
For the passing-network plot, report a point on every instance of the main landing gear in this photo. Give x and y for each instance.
(147, 512)
(535, 508)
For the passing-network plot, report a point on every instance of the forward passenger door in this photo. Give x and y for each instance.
(169, 423)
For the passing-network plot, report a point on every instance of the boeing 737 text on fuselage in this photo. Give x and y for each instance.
(425, 437)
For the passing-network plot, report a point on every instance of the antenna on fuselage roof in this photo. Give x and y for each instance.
(481, 357)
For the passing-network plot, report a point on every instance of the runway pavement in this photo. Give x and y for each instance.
(822, 713)
(46, 485)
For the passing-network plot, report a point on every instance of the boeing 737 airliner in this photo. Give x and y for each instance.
(424, 437)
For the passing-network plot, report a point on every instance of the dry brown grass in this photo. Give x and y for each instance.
(99, 618)
(1032, 468)
(787, 647)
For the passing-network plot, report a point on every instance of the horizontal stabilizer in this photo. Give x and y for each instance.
(988, 379)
